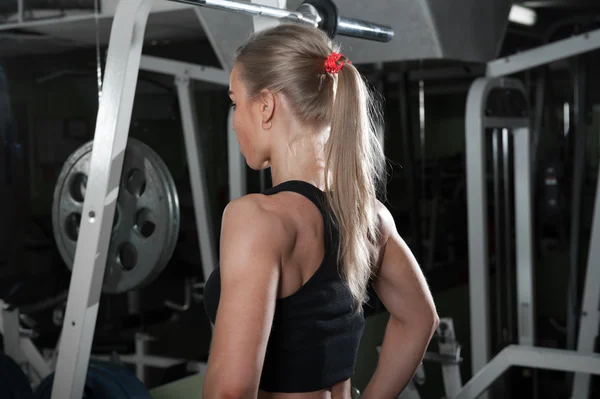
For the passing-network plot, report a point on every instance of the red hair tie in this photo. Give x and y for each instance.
(332, 64)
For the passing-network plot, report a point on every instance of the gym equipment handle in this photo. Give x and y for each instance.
(346, 26)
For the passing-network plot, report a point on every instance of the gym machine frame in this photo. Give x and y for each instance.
(583, 361)
(18, 343)
(123, 62)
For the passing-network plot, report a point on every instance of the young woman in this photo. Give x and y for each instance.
(296, 260)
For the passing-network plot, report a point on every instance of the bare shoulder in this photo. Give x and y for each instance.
(385, 216)
(386, 221)
(251, 218)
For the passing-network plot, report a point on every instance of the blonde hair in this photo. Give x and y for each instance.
(290, 59)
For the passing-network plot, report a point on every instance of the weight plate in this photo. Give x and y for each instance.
(146, 222)
(13, 382)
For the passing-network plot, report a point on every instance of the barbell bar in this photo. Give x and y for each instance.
(308, 13)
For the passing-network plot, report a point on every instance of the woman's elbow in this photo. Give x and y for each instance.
(428, 320)
(434, 320)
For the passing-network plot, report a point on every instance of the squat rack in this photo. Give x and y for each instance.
(123, 61)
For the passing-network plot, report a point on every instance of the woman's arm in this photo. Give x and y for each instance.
(252, 241)
(402, 288)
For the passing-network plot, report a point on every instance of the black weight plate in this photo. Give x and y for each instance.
(13, 382)
(146, 222)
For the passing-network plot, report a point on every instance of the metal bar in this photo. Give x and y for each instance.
(106, 164)
(20, 348)
(580, 132)
(590, 311)
(346, 26)
(141, 348)
(178, 68)
(479, 301)
(35, 360)
(408, 164)
(529, 356)
(546, 54)
(451, 370)
(500, 256)
(508, 238)
(196, 167)
(236, 163)
(524, 236)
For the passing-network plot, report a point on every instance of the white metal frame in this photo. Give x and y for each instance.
(450, 348)
(477, 127)
(583, 362)
(124, 60)
(106, 165)
(20, 347)
(543, 55)
(529, 356)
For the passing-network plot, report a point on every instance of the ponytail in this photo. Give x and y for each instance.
(354, 163)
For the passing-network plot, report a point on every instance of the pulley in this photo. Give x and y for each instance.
(146, 222)
(104, 381)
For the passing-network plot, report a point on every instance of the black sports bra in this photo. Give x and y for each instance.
(316, 331)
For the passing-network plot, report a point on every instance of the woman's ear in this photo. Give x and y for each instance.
(267, 105)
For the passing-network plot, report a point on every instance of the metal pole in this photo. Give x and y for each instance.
(345, 26)
(578, 175)
(479, 300)
(409, 164)
(500, 258)
(590, 309)
(106, 165)
(204, 223)
(509, 262)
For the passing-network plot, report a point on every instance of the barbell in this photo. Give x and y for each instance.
(322, 14)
